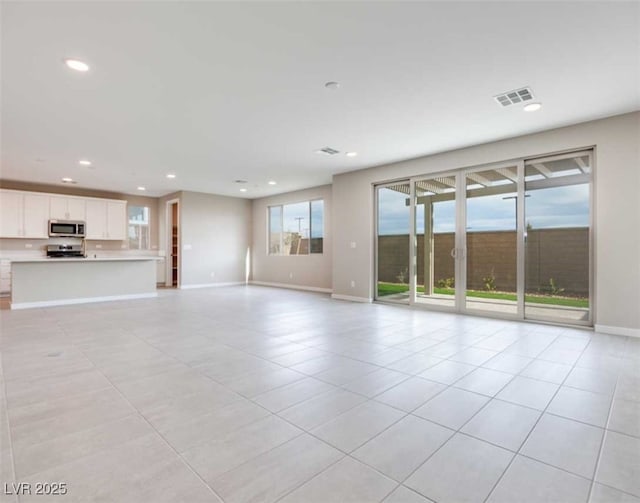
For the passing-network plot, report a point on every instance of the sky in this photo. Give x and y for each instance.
(544, 209)
(296, 217)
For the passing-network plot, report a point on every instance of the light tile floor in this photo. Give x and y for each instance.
(252, 394)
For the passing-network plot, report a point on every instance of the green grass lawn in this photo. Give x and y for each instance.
(391, 288)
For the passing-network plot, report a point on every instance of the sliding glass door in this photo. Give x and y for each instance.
(393, 242)
(558, 238)
(511, 240)
(491, 240)
(435, 240)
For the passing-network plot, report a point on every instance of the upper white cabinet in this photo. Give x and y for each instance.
(26, 215)
(11, 214)
(36, 216)
(106, 219)
(117, 220)
(23, 214)
(67, 208)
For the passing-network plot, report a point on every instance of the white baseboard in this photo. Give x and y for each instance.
(210, 285)
(294, 287)
(86, 300)
(350, 298)
(607, 329)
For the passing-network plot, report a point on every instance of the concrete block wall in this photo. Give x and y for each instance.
(561, 254)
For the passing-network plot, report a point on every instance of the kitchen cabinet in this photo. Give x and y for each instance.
(36, 216)
(11, 214)
(161, 271)
(5, 277)
(26, 214)
(106, 220)
(67, 208)
(23, 214)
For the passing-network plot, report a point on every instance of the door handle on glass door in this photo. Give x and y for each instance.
(457, 253)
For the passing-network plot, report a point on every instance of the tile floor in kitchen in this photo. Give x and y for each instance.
(255, 394)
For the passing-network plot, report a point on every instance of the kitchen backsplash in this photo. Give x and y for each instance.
(10, 248)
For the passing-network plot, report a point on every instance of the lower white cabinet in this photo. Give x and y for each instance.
(5, 277)
(161, 272)
(106, 220)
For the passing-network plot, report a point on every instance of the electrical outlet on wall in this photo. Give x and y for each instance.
(213, 274)
(98, 247)
(353, 284)
(28, 245)
(353, 244)
(290, 275)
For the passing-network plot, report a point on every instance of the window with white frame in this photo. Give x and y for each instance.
(139, 228)
(297, 228)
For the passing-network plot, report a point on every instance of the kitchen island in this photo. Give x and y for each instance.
(44, 282)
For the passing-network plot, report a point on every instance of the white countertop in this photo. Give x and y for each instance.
(88, 259)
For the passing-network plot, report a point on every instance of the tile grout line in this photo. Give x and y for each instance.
(603, 439)
(337, 387)
(303, 431)
(139, 413)
(538, 420)
(348, 454)
(459, 430)
(410, 375)
(10, 440)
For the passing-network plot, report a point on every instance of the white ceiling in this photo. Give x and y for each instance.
(216, 92)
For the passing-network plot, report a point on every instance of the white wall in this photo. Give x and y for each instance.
(617, 210)
(215, 236)
(309, 271)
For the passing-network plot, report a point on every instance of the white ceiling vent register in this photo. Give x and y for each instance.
(513, 97)
(327, 151)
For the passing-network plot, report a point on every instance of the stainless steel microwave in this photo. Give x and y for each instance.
(66, 228)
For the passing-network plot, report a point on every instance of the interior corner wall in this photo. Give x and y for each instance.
(215, 234)
(616, 206)
(311, 271)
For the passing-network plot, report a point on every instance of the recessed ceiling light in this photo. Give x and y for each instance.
(243, 190)
(532, 107)
(142, 188)
(75, 64)
(171, 175)
(351, 154)
(271, 182)
(332, 85)
(84, 162)
(68, 180)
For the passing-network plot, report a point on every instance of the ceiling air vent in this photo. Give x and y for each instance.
(513, 97)
(327, 151)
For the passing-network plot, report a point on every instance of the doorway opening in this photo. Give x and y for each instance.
(173, 244)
